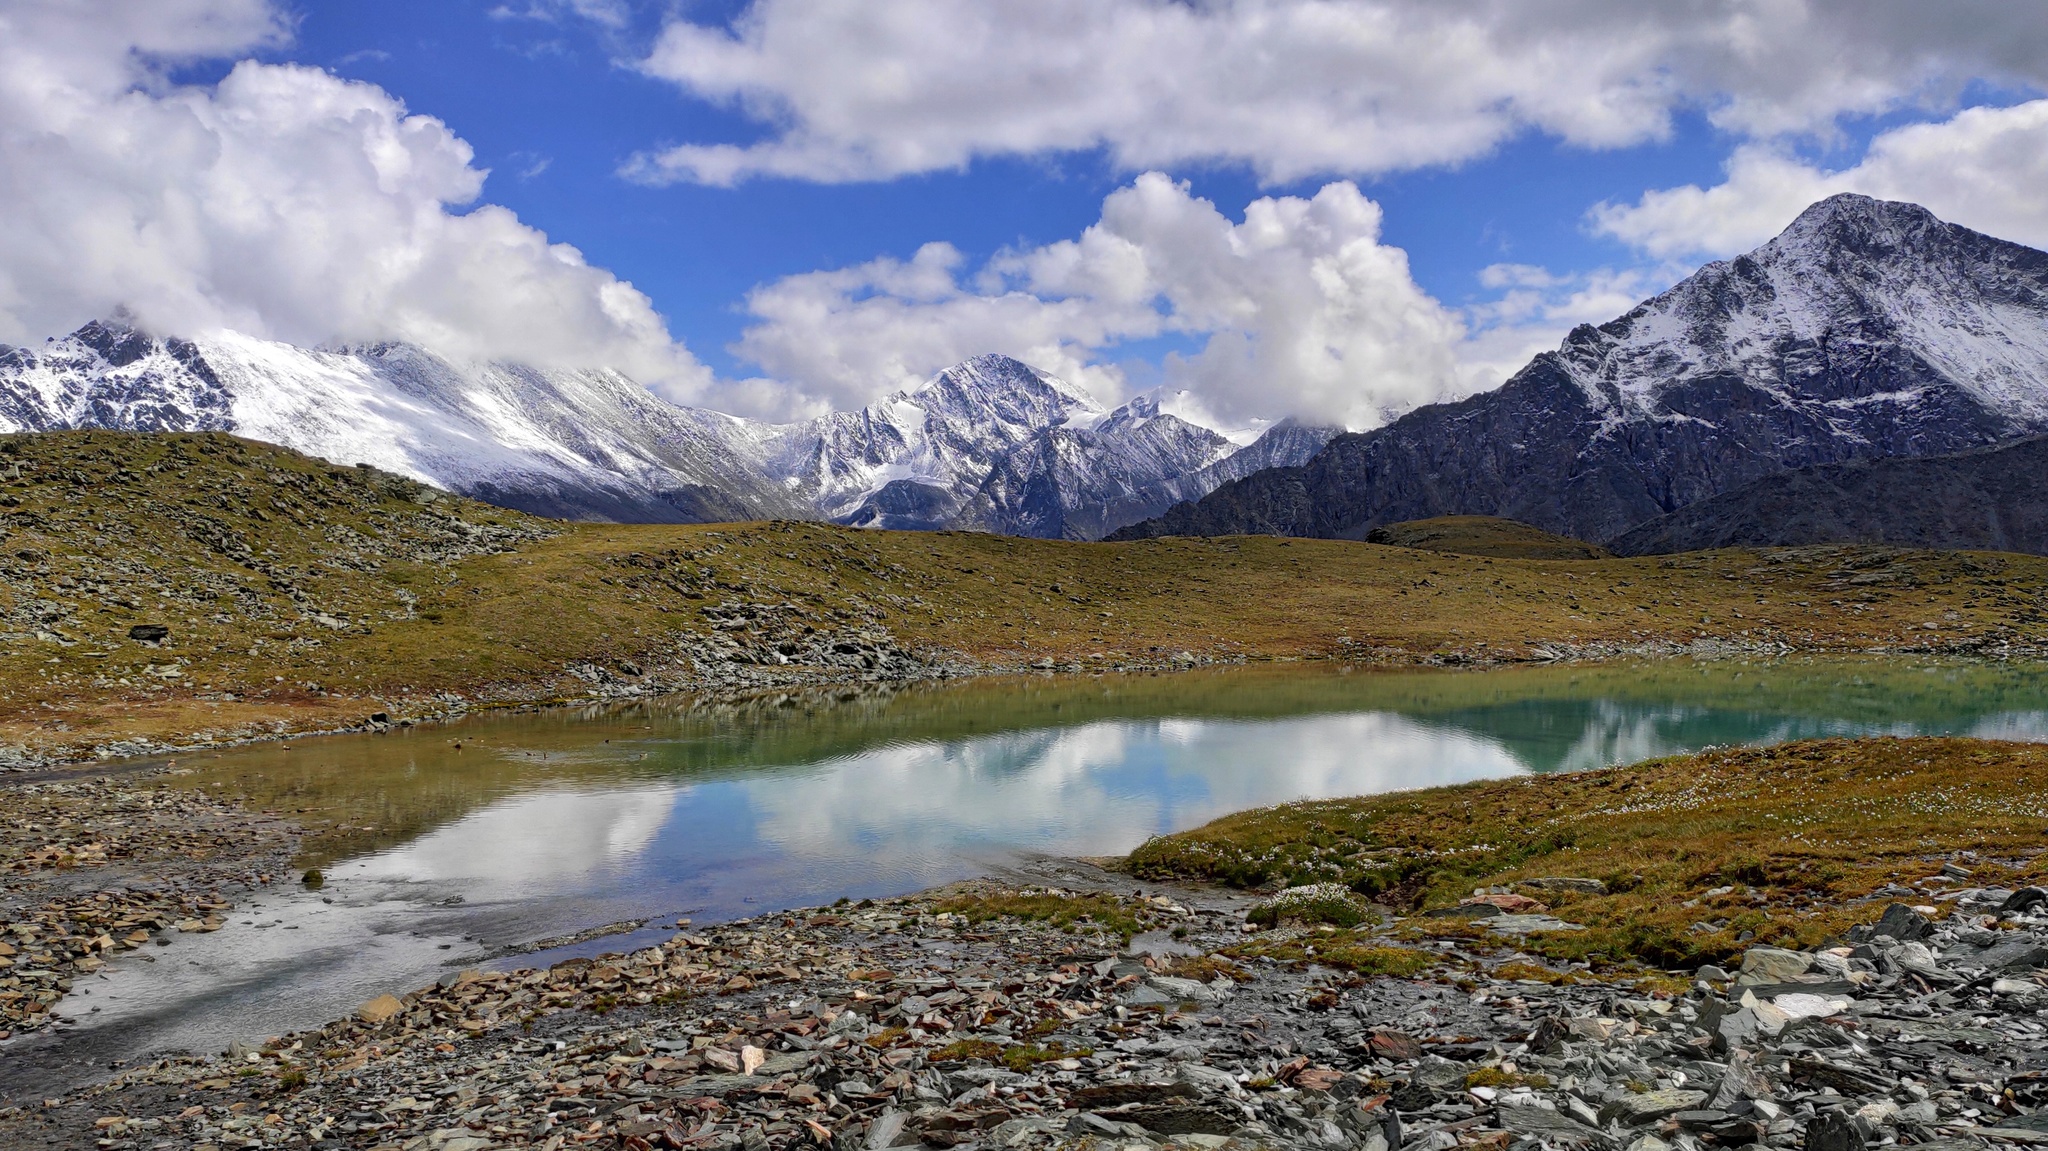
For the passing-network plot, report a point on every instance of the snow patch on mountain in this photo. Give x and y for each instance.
(991, 443)
(945, 434)
(1849, 273)
(1867, 329)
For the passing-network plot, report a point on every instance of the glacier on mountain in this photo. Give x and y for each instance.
(990, 444)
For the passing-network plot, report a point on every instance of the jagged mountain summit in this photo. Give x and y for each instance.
(1867, 329)
(994, 444)
(916, 458)
(990, 444)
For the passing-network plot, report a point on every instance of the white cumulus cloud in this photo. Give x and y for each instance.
(281, 202)
(1295, 309)
(852, 90)
(1984, 168)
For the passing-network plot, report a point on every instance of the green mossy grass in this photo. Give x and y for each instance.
(1062, 910)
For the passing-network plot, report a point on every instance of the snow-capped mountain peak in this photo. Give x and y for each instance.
(1849, 274)
(595, 444)
(1866, 329)
(1000, 392)
(996, 444)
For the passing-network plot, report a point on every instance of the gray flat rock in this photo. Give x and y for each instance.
(1525, 924)
(1551, 1126)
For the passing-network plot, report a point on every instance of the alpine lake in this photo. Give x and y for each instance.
(489, 841)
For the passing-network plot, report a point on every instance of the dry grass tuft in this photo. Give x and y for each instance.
(1355, 951)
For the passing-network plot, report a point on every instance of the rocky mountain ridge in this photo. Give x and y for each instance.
(990, 444)
(1986, 500)
(1867, 329)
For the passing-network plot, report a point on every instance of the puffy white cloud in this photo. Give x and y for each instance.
(850, 90)
(100, 45)
(1297, 309)
(850, 334)
(281, 202)
(1983, 168)
(1068, 790)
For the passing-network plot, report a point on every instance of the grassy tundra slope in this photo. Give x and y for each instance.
(1701, 855)
(303, 595)
(1485, 536)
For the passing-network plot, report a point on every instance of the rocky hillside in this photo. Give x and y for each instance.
(1866, 330)
(114, 539)
(192, 587)
(1987, 500)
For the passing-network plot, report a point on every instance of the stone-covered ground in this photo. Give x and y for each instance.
(91, 868)
(1095, 1015)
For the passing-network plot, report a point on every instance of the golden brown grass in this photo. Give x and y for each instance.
(1064, 910)
(340, 607)
(1702, 855)
(1531, 972)
(1485, 536)
(1355, 951)
(1205, 969)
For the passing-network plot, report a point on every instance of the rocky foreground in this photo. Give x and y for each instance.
(1095, 1015)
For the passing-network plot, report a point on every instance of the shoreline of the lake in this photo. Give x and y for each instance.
(927, 667)
(1090, 1009)
(142, 863)
(264, 825)
(1062, 1004)
(364, 607)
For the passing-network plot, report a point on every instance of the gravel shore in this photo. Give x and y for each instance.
(99, 867)
(1074, 1008)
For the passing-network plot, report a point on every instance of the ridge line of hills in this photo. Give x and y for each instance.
(1866, 331)
(989, 444)
(172, 589)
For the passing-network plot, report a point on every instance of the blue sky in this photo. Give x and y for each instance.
(526, 90)
(817, 201)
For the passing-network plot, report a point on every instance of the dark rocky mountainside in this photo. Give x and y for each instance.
(1987, 500)
(1867, 329)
